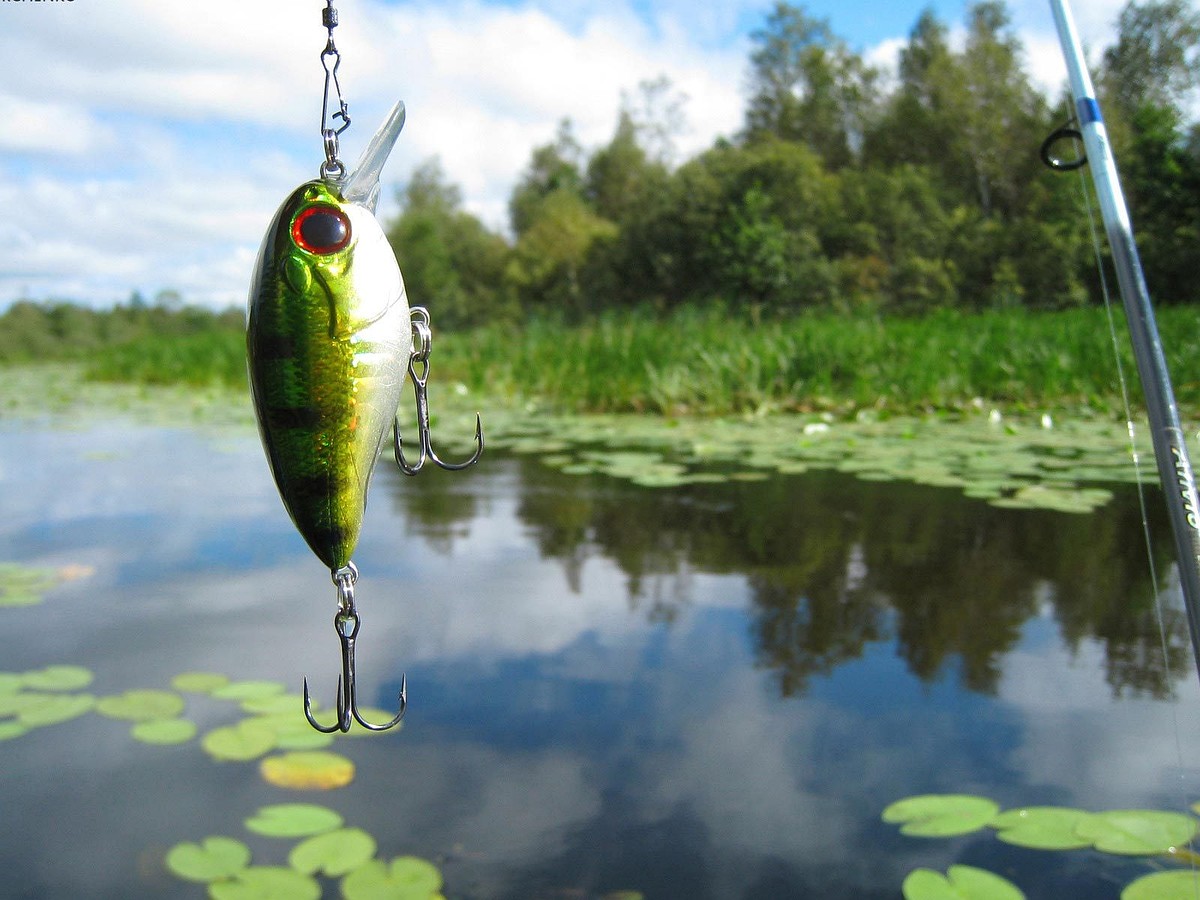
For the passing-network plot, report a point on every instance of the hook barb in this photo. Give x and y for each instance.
(346, 622)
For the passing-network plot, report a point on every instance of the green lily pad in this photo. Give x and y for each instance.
(293, 732)
(941, 815)
(240, 742)
(959, 883)
(11, 682)
(266, 883)
(308, 770)
(334, 853)
(1137, 832)
(248, 690)
(164, 731)
(52, 709)
(211, 859)
(270, 704)
(199, 682)
(405, 878)
(58, 678)
(141, 705)
(293, 820)
(1042, 827)
(1180, 884)
(10, 730)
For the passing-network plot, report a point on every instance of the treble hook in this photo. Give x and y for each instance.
(346, 623)
(423, 344)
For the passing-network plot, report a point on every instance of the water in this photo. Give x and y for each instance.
(704, 692)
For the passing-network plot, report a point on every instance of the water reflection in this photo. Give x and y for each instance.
(703, 692)
(834, 564)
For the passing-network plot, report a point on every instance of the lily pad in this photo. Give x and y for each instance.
(11, 682)
(248, 690)
(308, 770)
(266, 883)
(58, 678)
(10, 730)
(1042, 827)
(959, 883)
(293, 820)
(1137, 832)
(141, 705)
(199, 682)
(941, 815)
(240, 742)
(164, 731)
(210, 860)
(334, 853)
(52, 709)
(405, 878)
(1180, 884)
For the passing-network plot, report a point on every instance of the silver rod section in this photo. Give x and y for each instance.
(1170, 449)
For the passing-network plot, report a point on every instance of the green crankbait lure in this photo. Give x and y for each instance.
(329, 340)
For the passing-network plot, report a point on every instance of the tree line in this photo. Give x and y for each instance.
(847, 189)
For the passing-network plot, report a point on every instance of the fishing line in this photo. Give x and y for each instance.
(1085, 188)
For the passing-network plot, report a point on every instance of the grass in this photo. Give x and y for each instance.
(706, 362)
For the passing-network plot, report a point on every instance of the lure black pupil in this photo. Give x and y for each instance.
(321, 231)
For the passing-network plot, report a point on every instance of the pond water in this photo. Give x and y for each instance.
(703, 691)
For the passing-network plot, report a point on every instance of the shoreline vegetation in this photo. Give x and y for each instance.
(692, 362)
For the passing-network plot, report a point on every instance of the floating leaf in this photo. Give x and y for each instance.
(164, 731)
(405, 878)
(141, 705)
(248, 690)
(199, 682)
(51, 709)
(10, 730)
(240, 742)
(308, 770)
(293, 732)
(1181, 884)
(211, 859)
(11, 682)
(58, 678)
(293, 820)
(1137, 832)
(266, 883)
(334, 853)
(941, 815)
(270, 704)
(959, 883)
(1042, 827)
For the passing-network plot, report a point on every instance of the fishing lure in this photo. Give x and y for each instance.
(330, 339)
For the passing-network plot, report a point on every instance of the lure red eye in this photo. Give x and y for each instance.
(321, 229)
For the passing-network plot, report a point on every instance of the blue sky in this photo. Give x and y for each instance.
(146, 143)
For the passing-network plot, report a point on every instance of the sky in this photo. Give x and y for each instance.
(145, 144)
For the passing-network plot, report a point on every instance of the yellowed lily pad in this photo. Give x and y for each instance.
(293, 820)
(308, 770)
(334, 853)
(212, 859)
(404, 878)
(141, 705)
(959, 883)
(266, 883)
(941, 815)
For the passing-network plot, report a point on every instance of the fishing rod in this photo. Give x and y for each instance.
(1170, 450)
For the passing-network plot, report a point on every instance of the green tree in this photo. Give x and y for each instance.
(1155, 57)
(555, 167)
(806, 85)
(451, 263)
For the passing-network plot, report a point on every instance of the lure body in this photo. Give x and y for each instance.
(328, 342)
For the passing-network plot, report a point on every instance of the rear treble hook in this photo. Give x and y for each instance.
(346, 623)
(422, 346)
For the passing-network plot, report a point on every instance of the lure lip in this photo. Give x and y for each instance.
(361, 186)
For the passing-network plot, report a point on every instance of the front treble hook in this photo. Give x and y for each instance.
(346, 623)
(422, 345)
